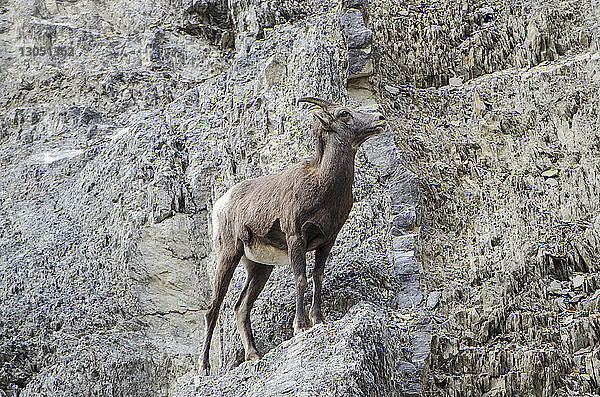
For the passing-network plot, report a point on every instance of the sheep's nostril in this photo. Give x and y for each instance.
(381, 117)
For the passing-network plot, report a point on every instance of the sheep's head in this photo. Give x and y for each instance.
(350, 126)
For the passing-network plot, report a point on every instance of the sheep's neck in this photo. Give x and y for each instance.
(336, 169)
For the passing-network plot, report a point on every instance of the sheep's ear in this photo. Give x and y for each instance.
(320, 110)
(324, 117)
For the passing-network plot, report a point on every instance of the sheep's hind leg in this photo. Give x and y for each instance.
(226, 264)
(257, 276)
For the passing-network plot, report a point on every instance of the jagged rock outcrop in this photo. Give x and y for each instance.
(469, 264)
(520, 203)
(351, 356)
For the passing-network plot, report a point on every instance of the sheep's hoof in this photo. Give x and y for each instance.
(299, 330)
(205, 369)
(299, 325)
(317, 318)
(253, 356)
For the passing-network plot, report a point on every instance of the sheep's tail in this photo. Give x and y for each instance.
(217, 215)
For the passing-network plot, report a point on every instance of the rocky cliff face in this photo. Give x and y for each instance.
(469, 264)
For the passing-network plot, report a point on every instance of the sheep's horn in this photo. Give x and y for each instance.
(316, 101)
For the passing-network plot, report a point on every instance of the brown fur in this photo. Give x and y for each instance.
(299, 209)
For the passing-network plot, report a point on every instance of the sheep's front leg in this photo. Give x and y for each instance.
(316, 315)
(297, 253)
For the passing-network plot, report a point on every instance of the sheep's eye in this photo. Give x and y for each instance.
(344, 113)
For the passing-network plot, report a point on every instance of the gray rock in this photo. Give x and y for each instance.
(404, 263)
(405, 218)
(358, 4)
(404, 191)
(433, 299)
(578, 281)
(391, 89)
(455, 81)
(555, 287)
(552, 173)
(404, 243)
(381, 151)
(347, 357)
(355, 32)
(409, 294)
(360, 63)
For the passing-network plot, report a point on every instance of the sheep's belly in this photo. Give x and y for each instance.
(266, 254)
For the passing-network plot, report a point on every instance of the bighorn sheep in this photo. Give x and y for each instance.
(276, 219)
